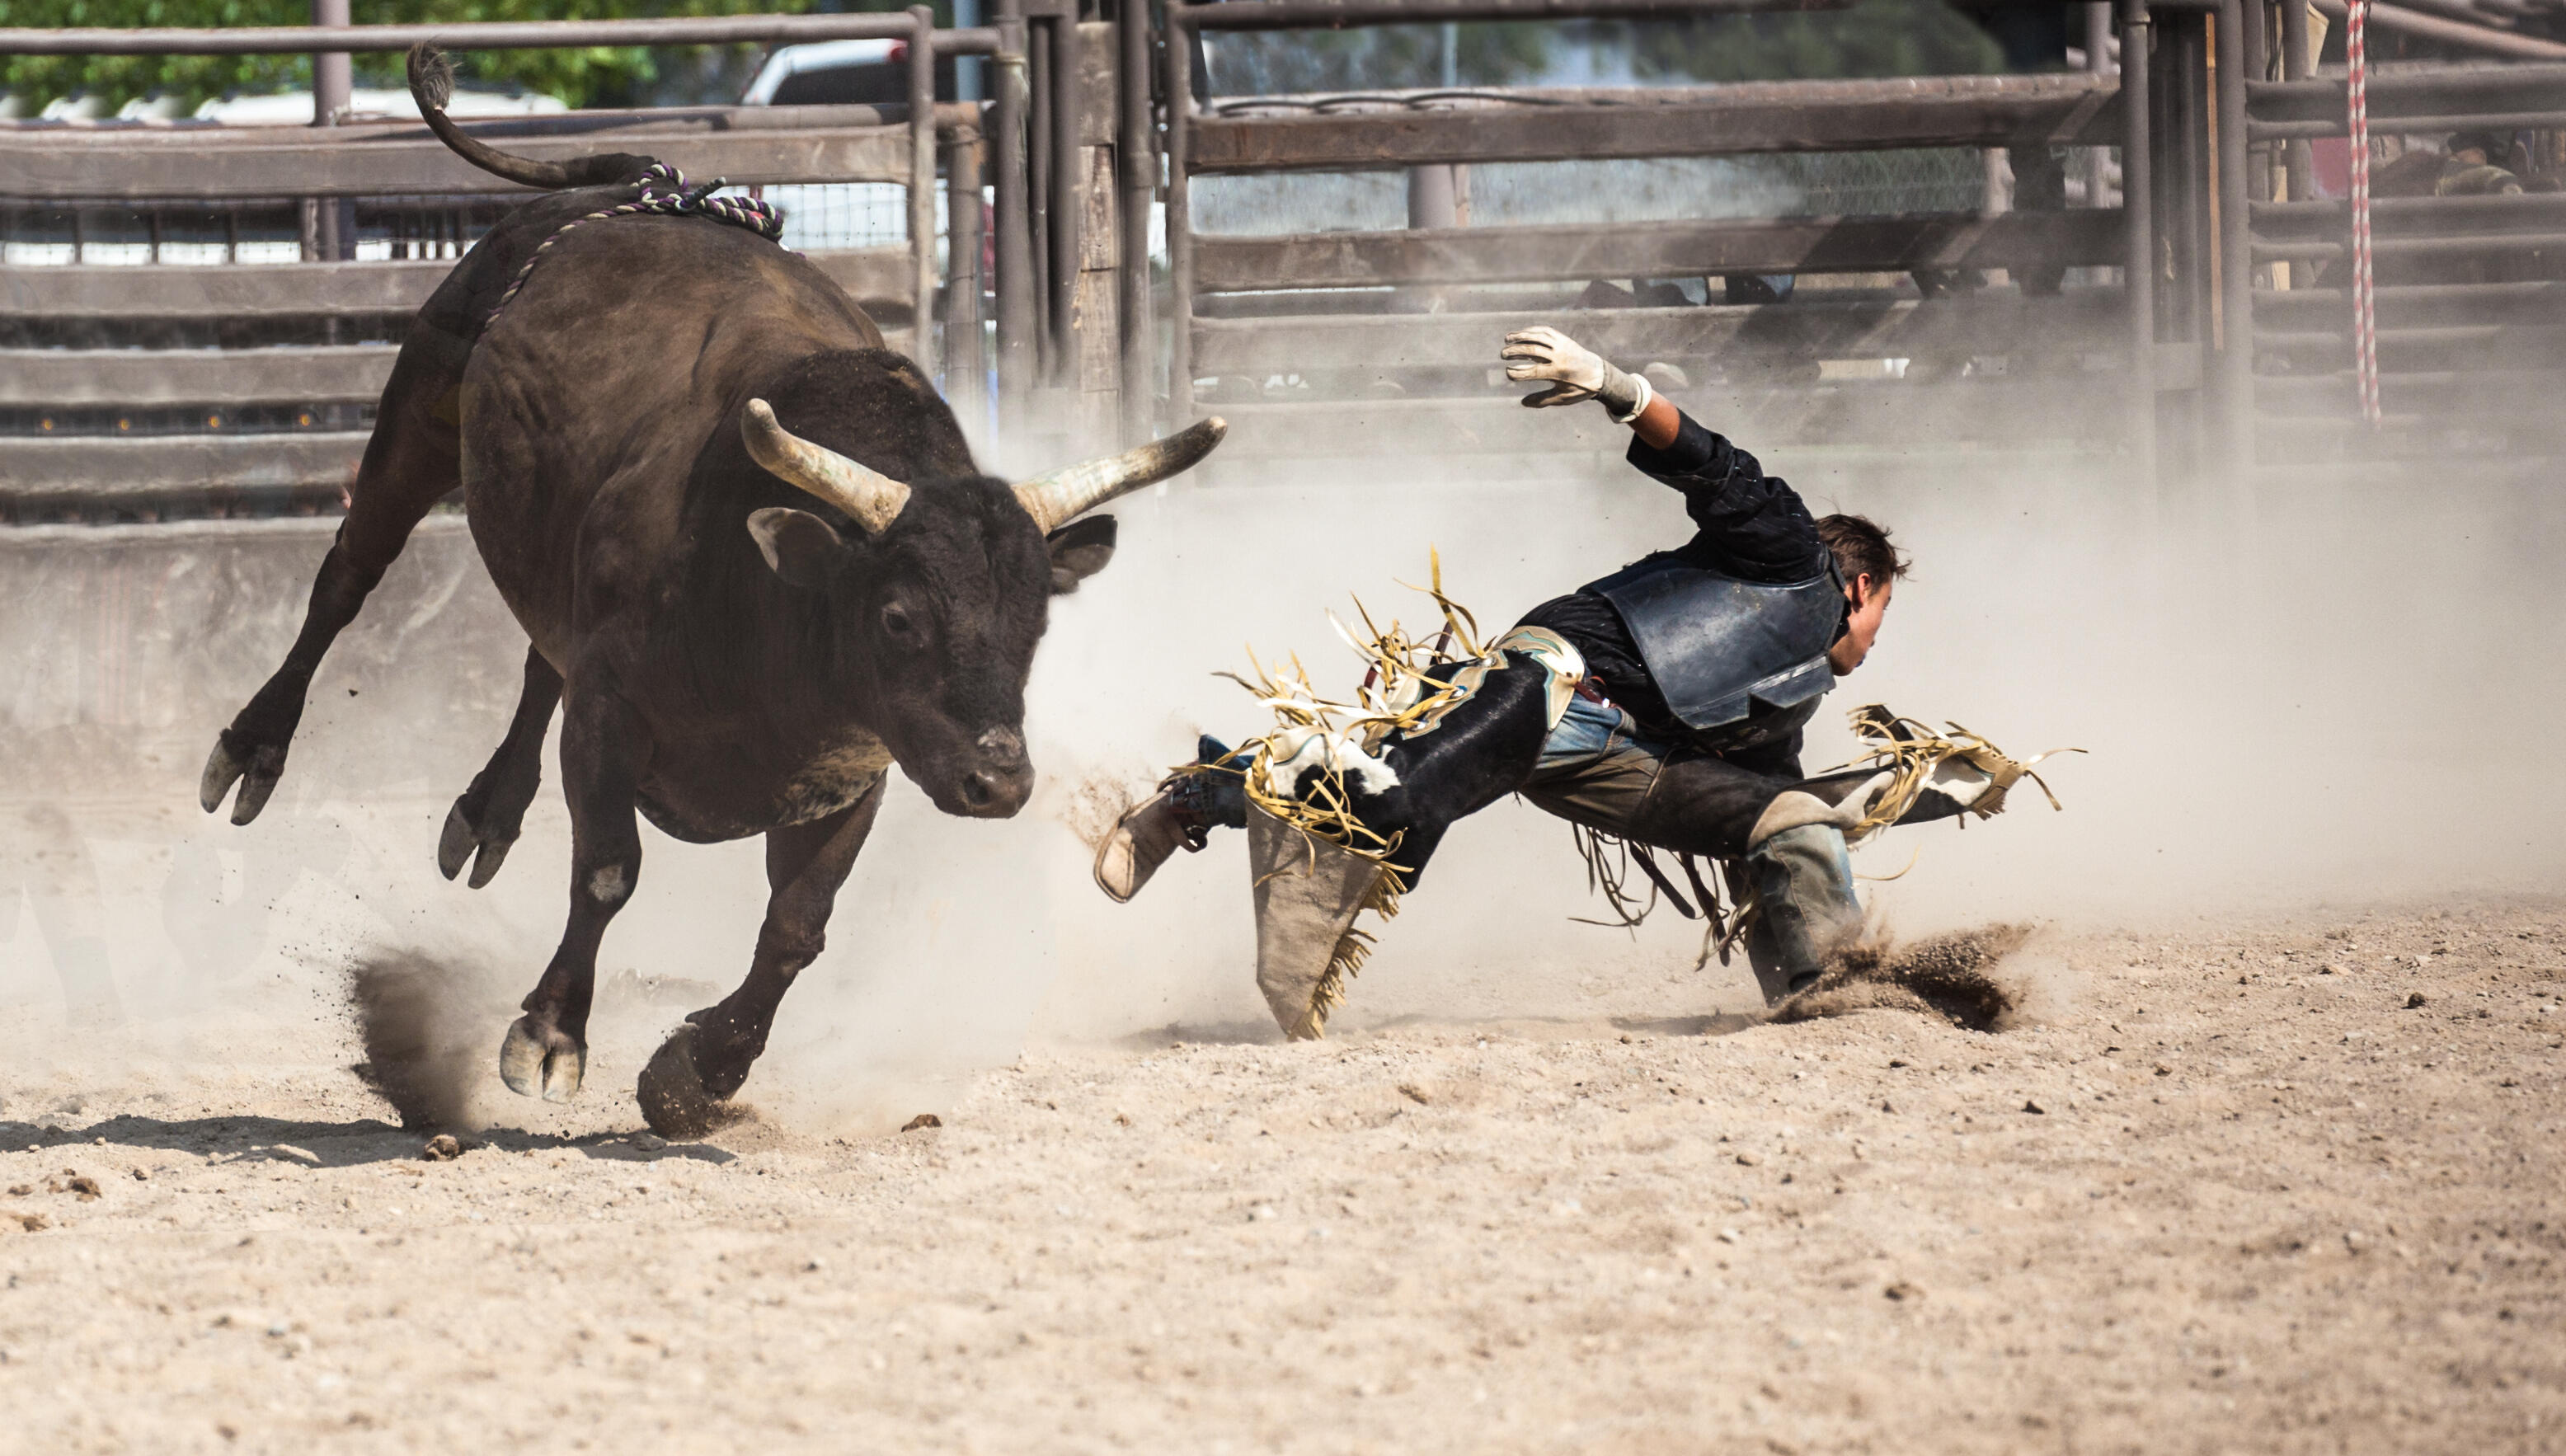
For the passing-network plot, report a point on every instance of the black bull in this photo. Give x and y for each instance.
(757, 564)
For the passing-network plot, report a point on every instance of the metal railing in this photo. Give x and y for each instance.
(1227, 295)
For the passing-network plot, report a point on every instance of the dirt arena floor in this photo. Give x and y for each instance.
(2293, 1185)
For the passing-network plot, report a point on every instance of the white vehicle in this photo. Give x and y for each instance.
(841, 72)
(293, 107)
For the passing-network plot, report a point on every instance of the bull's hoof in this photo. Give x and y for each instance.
(460, 840)
(541, 1060)
(255, 767)
(674, 1100)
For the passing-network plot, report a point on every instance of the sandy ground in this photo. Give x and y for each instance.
(2281, 1186)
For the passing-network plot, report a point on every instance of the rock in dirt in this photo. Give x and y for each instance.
(922, 1119)
(1904, 1292)
(649, 1142)
(2033, 1108)
(442, 1148)
(2413, 999)
(1750, 1160)
(32, 1222)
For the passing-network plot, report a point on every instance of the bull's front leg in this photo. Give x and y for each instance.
(603, 746)
(685, 1089)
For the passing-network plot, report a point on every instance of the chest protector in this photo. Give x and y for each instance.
(1719, 648)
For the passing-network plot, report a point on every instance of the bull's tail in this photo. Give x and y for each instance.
(431, 85)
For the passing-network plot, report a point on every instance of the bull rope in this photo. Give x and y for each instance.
(2365, 305)
(664, 195)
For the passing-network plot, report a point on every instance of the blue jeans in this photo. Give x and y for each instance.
(1585, 731)
(1595, 770)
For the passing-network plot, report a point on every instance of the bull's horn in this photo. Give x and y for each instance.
(1056, 499)
(870, 498)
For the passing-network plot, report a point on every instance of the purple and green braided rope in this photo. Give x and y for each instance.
(664, 195)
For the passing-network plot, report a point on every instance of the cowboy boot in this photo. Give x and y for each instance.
(1185, 810)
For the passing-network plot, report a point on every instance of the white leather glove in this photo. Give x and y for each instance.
(1575, 373)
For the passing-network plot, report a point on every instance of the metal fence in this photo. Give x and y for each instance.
(2470, 273)
(1333, 271)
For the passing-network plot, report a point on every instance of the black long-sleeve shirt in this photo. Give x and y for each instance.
(1752, 527)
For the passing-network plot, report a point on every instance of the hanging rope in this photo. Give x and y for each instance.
(664, 195)
(2365, 310)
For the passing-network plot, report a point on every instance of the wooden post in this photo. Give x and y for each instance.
(2296, 65)
(1068, 191)
(967, 372)
(1039, 189)
(1016, 303)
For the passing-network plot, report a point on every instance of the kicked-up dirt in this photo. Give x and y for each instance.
(2288, 1186)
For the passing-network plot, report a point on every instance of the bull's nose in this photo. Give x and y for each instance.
(1003, 780)
(995, 793)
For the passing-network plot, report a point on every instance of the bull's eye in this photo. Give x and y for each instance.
(895, 620)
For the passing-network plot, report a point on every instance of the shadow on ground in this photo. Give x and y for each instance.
(327, 1145)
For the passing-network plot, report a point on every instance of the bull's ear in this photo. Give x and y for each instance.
(1079, 550)
(798, 546)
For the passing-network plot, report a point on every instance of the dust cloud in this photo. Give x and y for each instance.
(2332, 693)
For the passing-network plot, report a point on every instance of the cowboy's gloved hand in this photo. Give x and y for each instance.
(1576, 373)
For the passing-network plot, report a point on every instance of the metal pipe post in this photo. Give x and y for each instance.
(1433, 199)
(1016, 311)
(1178, 88)
(1038, 188)
(1068, 191)
(2138, 215)
(1136, 173)
(967, 372)
(2236, 248)
(2187, 198)
(2098, 60)
(922, 186)
(333, 89)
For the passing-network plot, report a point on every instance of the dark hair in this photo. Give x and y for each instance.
(2496, 145)
(1862, 549)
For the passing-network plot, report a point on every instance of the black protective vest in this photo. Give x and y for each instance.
(1718, 646)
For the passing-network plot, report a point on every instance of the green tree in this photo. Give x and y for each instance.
(601, 75)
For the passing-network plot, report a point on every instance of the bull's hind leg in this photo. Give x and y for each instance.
(703, 1061)
(489, 817)
(413, 460)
